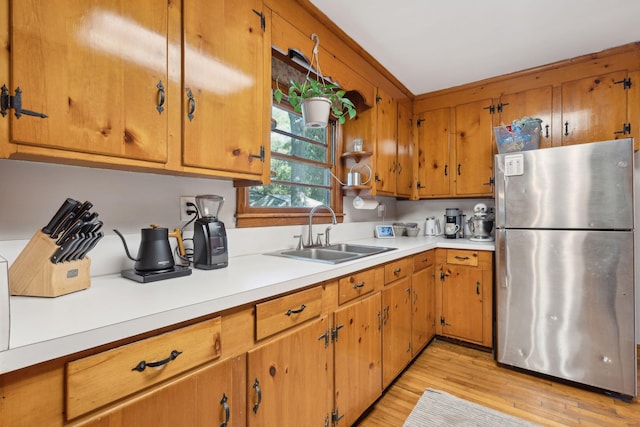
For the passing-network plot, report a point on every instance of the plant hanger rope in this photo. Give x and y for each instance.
(314, 56)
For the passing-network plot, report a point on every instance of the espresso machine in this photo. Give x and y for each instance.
(209, 235)
(453, 223)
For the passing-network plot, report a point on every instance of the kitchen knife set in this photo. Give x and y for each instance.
(75, 230)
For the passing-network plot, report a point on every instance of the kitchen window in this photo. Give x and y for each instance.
(302, 160)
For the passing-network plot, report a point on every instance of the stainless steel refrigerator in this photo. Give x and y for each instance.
(565, 263)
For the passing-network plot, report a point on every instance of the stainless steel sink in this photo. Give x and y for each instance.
(333, 254)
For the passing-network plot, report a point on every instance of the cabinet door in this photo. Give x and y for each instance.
(224, 86)
(405, 151)
(386, 145)
(536, 103)
(474, 149)
(462, 311)
(423, 306)
(358, 358)
(433, 153)
(396, 328)
(94, 69)
(594, 109)
(209, 396)
(289, 378)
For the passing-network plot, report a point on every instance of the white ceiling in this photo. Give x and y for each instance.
(429, 45)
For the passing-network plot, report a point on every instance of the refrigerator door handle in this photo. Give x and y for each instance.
(501, 258)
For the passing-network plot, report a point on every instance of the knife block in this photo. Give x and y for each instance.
(33, 273)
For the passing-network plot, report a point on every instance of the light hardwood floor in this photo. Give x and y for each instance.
(474, 375)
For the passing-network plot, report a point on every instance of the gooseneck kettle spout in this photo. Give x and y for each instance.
(126, 248)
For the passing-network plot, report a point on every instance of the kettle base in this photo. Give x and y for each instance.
(154, 276)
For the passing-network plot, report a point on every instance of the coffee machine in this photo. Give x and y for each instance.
(453, 223)
(209, 235)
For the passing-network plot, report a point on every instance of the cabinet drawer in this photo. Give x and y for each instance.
(97, 380)
(423, 260)
(281, 313)
(462, 257)
(397, 269)
(355, 285)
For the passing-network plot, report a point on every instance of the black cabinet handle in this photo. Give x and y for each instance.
(358, 285)
(143, 365)
(566, 128)
(300, 310)
(546, 131)
(397, 271)
(191, 103)
(227, 412)
(256, 387)
(461, 258)
(160, 106)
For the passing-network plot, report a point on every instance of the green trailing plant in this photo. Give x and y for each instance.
(341, 107)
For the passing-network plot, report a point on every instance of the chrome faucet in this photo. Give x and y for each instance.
(313, 211)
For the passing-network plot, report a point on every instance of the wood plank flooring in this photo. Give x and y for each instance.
(474, 375)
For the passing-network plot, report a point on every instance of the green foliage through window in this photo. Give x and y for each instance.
(301, 159)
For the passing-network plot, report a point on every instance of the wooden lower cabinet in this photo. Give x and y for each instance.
(357, 358)
(396, 328)
(423, 301)
(464, 295)
(289, 378)
(213, 395)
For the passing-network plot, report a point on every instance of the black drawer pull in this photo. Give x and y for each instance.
(256, 387)
(462, 258)
(300, 310)
(358, 285)
(143, 365)
(227, 412)
(397, 271)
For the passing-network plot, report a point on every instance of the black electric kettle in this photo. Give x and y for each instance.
(154, 253)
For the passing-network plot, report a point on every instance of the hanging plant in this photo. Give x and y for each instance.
(332, 98)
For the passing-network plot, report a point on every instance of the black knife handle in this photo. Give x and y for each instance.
(66, 207)
(62, 225)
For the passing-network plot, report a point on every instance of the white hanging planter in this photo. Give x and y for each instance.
(315, 111)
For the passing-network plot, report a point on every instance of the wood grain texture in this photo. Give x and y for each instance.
(473, 375)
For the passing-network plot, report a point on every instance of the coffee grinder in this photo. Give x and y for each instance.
(209, 235)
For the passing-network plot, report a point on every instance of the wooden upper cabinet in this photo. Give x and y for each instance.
(536, 103)
(595, 108)
(474, 148)
(433, 153)
(386, 145)
(225, 92)
(96, 70)
(405, 151)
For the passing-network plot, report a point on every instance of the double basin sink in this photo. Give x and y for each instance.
(332, 254)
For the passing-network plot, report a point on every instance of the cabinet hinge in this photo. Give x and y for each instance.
(626, 129)
(442, 322)
(419, 122)
(7, 102)
(442, 276)
(259, 156)
(334, 332)
(378, 99)
(326, 338)
(626, 83)
(491, 108)
(263, 21)
(335, 416)
(500, 105)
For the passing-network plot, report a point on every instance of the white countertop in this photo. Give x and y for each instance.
(115, 308)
